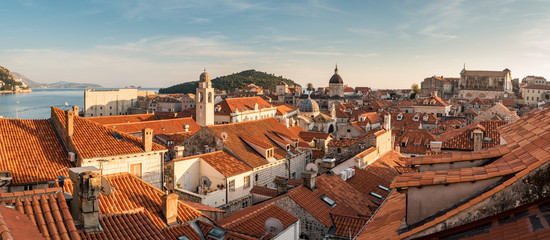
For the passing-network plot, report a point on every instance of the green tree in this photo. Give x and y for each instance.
(415, 90)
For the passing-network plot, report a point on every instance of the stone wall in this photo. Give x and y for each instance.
(308, 223)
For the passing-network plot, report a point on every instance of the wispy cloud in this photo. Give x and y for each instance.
(183, 47)
(367, 32)
(326, 53)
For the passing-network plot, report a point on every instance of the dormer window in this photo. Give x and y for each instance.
(426, 102)
(400, 117)
(432, 102)
(416, 118)
(269, 153)
(425, 118)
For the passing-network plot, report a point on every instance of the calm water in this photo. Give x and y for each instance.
(36, 105)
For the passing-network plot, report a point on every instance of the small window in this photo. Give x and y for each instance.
(216, 232)
(331, 203)
(28, 187)
(136, 169)
(232, 185)
(246, 181)
(349, 130)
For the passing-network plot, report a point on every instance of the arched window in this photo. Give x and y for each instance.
(201, 97)
(209, 97)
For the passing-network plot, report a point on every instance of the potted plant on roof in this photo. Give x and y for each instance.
(220, 186)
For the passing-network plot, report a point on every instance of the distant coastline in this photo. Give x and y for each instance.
(15, 91)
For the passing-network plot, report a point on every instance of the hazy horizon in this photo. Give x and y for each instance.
(389, 44)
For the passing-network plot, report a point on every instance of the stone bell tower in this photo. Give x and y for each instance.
(204, 101)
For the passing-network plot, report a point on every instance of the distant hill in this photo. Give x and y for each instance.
(60, 84)
(8, 82)
(230, 82)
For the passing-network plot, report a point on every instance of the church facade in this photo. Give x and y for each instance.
(485, 84)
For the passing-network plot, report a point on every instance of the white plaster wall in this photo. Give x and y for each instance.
(190, 166)
(240, 190)
(150, 165)
(108, 102)
(291, 232)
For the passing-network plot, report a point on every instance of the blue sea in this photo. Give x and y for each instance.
(36, 105)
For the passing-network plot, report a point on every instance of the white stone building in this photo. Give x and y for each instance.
(111, 102)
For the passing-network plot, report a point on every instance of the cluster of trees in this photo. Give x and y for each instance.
(8, 80)
(236, 80)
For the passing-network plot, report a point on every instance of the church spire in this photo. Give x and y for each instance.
(336, 69)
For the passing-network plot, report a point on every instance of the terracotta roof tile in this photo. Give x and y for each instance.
(232, 105)
(132, 193)
(180, 230)
(257, 130)
(31, 151)
(265, 191)
(459, 139)
(92, 139)
(387, 221)
(222, 161)
(309, 136)
(16, 225)
(251, 220)
(168, 126)
(126, 226)
(348, 225)
(47, 210)
(123, 118)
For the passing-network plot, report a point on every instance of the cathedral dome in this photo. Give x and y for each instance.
(204, 76)
(336, 78)
(308, 106)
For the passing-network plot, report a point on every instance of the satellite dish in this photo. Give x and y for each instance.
(273, 226)
(224, 136)
(312, 167)
(105, 187)
(205, 181)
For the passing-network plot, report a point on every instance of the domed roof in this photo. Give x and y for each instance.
(204, 76)
(336, 78)
(308, 105)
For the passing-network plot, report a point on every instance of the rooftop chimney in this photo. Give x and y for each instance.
(327, 165)
(170, 208)
(70, 123)
(309, 179)
(281, 185)
(86, 188)
(75, 109)
(478, 139)
(147, 138)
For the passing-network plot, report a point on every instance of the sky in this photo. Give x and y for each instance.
(379, 44)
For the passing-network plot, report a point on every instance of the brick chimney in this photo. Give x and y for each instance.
(147, 138)
(75, 110)
(327, 165)
(70, 123)
(281, 184)
(478, 139)
(309, 179)
(86, 189)
(170, 208)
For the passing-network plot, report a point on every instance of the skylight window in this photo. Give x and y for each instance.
(384, 188)
(376, 195)
(216, 232)
(117, 136)
(331, 203)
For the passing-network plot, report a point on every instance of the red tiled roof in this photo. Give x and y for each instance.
(284, 108)
(125, 226)
(517, 223)
(438, 101)
(265, 191)
(123, 118)
(415, 141)
(47, 210)
(478, 101)
(93, 140)
(348, 225)
(231, 105)
(132, 193)
(167, 126)
(222, 161)
(542, 87)
(31, 151)
(16, 225)
(258, 130)
(317, 153)
(201, 207)
(251, 220)
(460, 139)
(387, 221)
(493, 152)
(471, 111)
(309, 136)
(180, 230)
